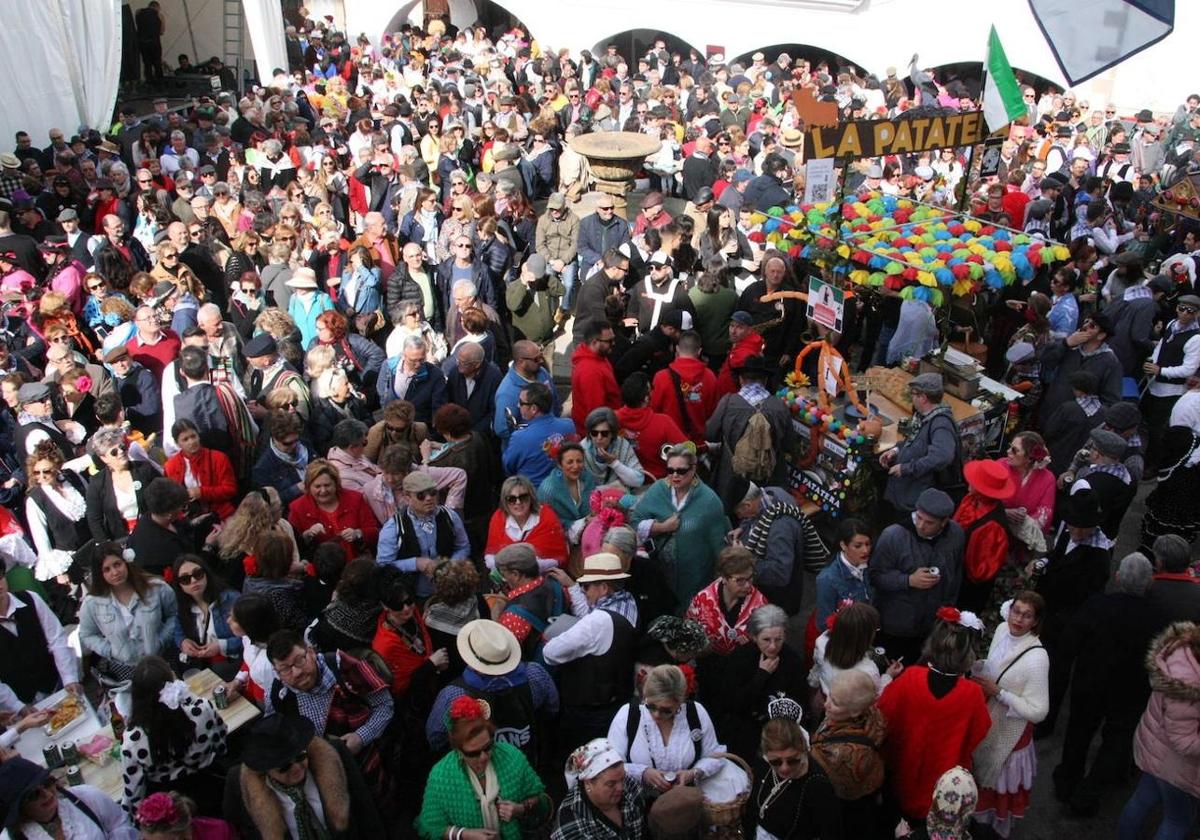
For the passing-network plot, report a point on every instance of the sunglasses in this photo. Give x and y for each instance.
(422, 495)
(1185, 308)
(665, 711)
(44, 472)
(604, 206)
(196, 576)
(115, 451)
(486, 749)
(789, 762)
(678, 470)
(300, 756)
(517, 498)
(600, 432)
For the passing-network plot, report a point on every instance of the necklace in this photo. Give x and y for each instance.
(778, 786)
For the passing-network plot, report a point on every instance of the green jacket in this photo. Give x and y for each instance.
(450, 799)
(534, 318)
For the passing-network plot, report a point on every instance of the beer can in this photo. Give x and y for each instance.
(74, 775)
(70, 753)
(51, 756)
(220, 698)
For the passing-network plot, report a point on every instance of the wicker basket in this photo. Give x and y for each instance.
(729, 814)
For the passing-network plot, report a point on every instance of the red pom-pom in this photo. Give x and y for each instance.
(250, 565)
(310, 570)
(1002, 245)
(168, 574)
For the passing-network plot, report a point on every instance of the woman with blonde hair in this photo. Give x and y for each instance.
(461, 222)
(245, 256)
(259, 513)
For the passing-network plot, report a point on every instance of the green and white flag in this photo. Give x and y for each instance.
(1002, 101)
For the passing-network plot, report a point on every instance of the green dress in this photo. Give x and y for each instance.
(688, 555)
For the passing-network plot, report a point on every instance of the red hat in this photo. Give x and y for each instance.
(990, 478)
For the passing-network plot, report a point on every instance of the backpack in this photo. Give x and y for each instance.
(754, 453)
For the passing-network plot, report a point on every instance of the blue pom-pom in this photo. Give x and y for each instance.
(944, 277)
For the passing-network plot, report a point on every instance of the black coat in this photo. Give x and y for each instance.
(735, 692)
(482, 402)
(1107, 640)
(104, 518)
(1069, 580)
(1174, 598)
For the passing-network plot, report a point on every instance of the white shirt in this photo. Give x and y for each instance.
(289, 808)
(592, 635)
(114, 822)
(65, 661)
(1187, 411)
(678, 753)
(823, 671)
(1188, 367)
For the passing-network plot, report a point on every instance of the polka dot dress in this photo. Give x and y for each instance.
(208, 741)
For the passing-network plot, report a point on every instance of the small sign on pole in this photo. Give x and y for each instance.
(818, 181)
(826, 304)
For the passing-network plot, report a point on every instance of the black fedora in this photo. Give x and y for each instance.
(754, 365)
(276, 740)
(1083, 511)
(18, 776)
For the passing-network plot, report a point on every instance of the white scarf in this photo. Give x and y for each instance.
(659, 298)
(487, 794)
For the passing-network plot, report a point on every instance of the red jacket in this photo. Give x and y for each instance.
(987, 543)
(352, 512)
(593, 384)
(649, 431)
(398, 654)
(699, 387)
(214, 471)
(751, 345)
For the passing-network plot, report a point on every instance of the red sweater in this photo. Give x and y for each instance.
(927, 736)
(649, 431)
(699, 387)
(154, 357)
(214, 471)
(593, 384)
(352, 512)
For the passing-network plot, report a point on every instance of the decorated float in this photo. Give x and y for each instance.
(889, 245)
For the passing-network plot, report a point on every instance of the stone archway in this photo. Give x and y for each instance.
(633, 43)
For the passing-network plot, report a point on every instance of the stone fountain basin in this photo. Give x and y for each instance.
(615, 155)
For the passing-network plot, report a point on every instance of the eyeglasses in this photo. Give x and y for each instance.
(44, 472)
(463, 245)
(486, 749)
(678, 470)
(789, 762)
(665, 711)
(195, 234)
(300, 756)
(422, 495)
(196, 576)
(115, 451)
(600, 433)
(517, 498)
(292, 667)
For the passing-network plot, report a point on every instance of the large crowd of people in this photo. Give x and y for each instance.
(279, 403)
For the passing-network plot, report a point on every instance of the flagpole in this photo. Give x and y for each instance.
(962, 202)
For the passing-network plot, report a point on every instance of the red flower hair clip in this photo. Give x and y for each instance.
(689, 675)
(950, 614)
(468, 708)
(831, 619)
(250, 565)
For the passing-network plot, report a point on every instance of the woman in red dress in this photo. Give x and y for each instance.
(328, 513)
(936, 715)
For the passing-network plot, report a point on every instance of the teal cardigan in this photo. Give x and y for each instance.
(450, 800)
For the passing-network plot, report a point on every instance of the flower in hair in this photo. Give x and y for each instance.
(950, 614)
(173, 694)
(689, 676)
(831, 619)
(157, 809)
(469, 708)
(128, 555)
(83, 384)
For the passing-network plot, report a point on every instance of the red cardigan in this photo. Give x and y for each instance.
(927, 736)
(213, 470)
(352, 512)
(548, 538)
